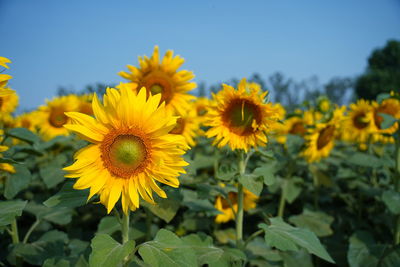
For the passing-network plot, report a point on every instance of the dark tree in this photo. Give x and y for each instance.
(382, 74)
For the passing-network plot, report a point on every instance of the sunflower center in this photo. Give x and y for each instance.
(239, 116)
(57, 118)
(298, 128)
(26, 123)
(124, 153)
(1, 102)
(325, 136)
(359, 121)
(179, 128)
(233, 199)
(379, 119)
(158, 82)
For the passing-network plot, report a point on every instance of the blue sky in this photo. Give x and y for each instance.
(74, 43)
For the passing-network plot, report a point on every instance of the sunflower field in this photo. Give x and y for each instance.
(147, 174)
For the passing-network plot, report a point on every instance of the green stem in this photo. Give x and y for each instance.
(282, 200)
(33, 226)
(239, 213)
(254, 235)
(125, 227)
(14, 231)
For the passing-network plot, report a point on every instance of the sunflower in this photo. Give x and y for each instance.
(201, 104)
(131, 149)
(52, 116)
(4, 77)
(188, 126)
(28, 120)
(8, 102)
(85, 104)
(390, 106)
(228, 212)
(240, 118)
(359, 123)
(321, 139)
(162, 77)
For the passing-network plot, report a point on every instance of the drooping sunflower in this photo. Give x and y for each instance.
(52, 116)
(162, 77)
(240, 118)
(321, 139)
(187, 125)
(359, 122)
(223, 205)
(131, 149)
(390, 106)
(201, 104)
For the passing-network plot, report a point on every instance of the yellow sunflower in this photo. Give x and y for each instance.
(390, 106)
(240, 118)
(201, 104)
(28, 120)
(359, 123)
(131, 150)
(85, 104)
(4, 77)
(52, 116)
(5, 166)
(8, 102)
(187, 125)
(321, 139)
(162, 77)
(223, 205)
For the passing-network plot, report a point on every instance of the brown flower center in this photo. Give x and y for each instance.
(384, 108)
(233, 197)
(158, 82)
(201, 110)
(239, 116)
(125, 152)
(1, 102)
(298, 128)
(180, 126)
(25, 123)
(325, 136)
(359, 121)
(57, 118)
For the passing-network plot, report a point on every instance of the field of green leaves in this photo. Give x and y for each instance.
(324, 190)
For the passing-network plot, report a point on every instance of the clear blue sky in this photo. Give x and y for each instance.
(74, 43)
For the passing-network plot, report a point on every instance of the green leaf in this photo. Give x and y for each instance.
(293, 188)
(54, 263)
(167, 250)
(8, 160)
(231, 257)
(203, 246)
(108, 225)
(108, 252)
(392, 201)
(191, 200)
(267, 172)
(382, 96)
(286, 237)
(10, 209)
(52, 173)
(57, 215)
(252, 182)
(67, 197)
(24, 135)
(297, 258)
(226, 172)
(363, 252)
(166, 208)
(320, 178)
(318, 222)
(363, 159)
(17, 181)
(388, 120)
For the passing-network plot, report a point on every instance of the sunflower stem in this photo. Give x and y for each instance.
(14, 232)
(239, 214)
(282, 200)
(125, 227)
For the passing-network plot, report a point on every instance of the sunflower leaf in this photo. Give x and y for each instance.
(108, 252)
(253, 183)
